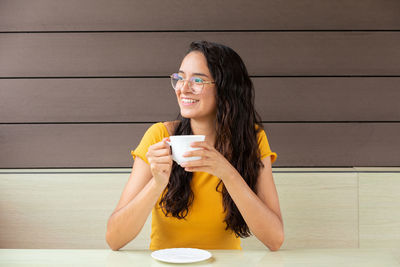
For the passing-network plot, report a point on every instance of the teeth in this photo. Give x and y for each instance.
(184, 100)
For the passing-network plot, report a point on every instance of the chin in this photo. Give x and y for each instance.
(187, 115)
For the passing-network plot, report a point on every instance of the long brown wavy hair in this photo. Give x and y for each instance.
(236, 135)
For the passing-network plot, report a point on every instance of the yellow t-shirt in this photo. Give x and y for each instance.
(204, 225)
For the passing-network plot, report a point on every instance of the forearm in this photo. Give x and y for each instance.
(126, 223)
(262, 221)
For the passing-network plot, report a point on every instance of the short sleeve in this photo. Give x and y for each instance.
(263, 145)
(153, 135)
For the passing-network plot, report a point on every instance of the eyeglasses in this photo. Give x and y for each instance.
(196, 84)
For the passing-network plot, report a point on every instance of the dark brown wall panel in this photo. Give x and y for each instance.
(328, 99)
(87, 100)
(109, 145)
(57, 145)
(159, 54)
(153, 99)
(138, 43)
(73, 15)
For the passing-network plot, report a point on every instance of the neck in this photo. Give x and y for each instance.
(204, 127)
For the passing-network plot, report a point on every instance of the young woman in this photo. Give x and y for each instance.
(230, 192)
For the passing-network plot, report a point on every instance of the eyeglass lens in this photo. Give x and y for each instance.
(195, 84)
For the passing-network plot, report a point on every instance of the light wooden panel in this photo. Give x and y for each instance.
(58, 15)
(160, 54)
(130, 99)
(109, 145)
(60, 210)
(319, 209)
(379, 210)
(57, 208)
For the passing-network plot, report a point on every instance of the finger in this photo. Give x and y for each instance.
(164, 159)
(154, 150)
(161, 144)
(196, 169)
(202, 144)
(161, 152)
(163, 166)
(194, 163)
(196, 153)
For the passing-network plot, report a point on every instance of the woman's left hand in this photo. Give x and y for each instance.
(211, 161)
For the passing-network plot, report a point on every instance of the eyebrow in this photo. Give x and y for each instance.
(196, 73)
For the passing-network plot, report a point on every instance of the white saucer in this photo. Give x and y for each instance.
(181, 255)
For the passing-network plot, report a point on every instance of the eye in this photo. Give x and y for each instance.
(177, 77)
(197, 80)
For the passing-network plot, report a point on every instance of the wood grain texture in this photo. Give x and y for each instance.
(109, 145)
(153, 99)
(379, 210)
(319, 209)
(160, 54)
(65, 209)
(99, 15)
(60, 210)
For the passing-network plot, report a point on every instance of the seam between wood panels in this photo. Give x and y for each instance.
(166, 77)
(205, 30)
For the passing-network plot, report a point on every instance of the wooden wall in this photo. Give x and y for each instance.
(80, 81)
(321, 208)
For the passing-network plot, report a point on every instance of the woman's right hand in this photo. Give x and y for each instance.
(160, 159)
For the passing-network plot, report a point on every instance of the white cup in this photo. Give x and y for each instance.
(181, 144)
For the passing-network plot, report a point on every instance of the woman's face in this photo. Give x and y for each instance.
(195, 65)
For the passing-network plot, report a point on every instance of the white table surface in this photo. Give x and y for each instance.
(293, 257)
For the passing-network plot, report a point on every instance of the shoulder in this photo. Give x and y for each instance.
(155, 128)
(155, 133)
(171, 126)
(263, 145)
(159, 130)
(260, 133)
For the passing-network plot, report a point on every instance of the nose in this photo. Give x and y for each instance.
(185, 88)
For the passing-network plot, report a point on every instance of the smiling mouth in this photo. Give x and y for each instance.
(189, 101)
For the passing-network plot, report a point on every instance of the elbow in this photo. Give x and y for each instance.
(277, 242)
(115, 239)
(114, 248)
(110, 243)
(112, 238)
(275, 247)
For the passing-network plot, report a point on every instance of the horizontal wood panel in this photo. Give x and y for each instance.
(82, 201)
(76, 216)
(159, 54)
(153, 99)
(319, 210)
(73, 15)
(87, 100)
(109, 145)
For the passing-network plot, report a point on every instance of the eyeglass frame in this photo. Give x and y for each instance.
(190, 86)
